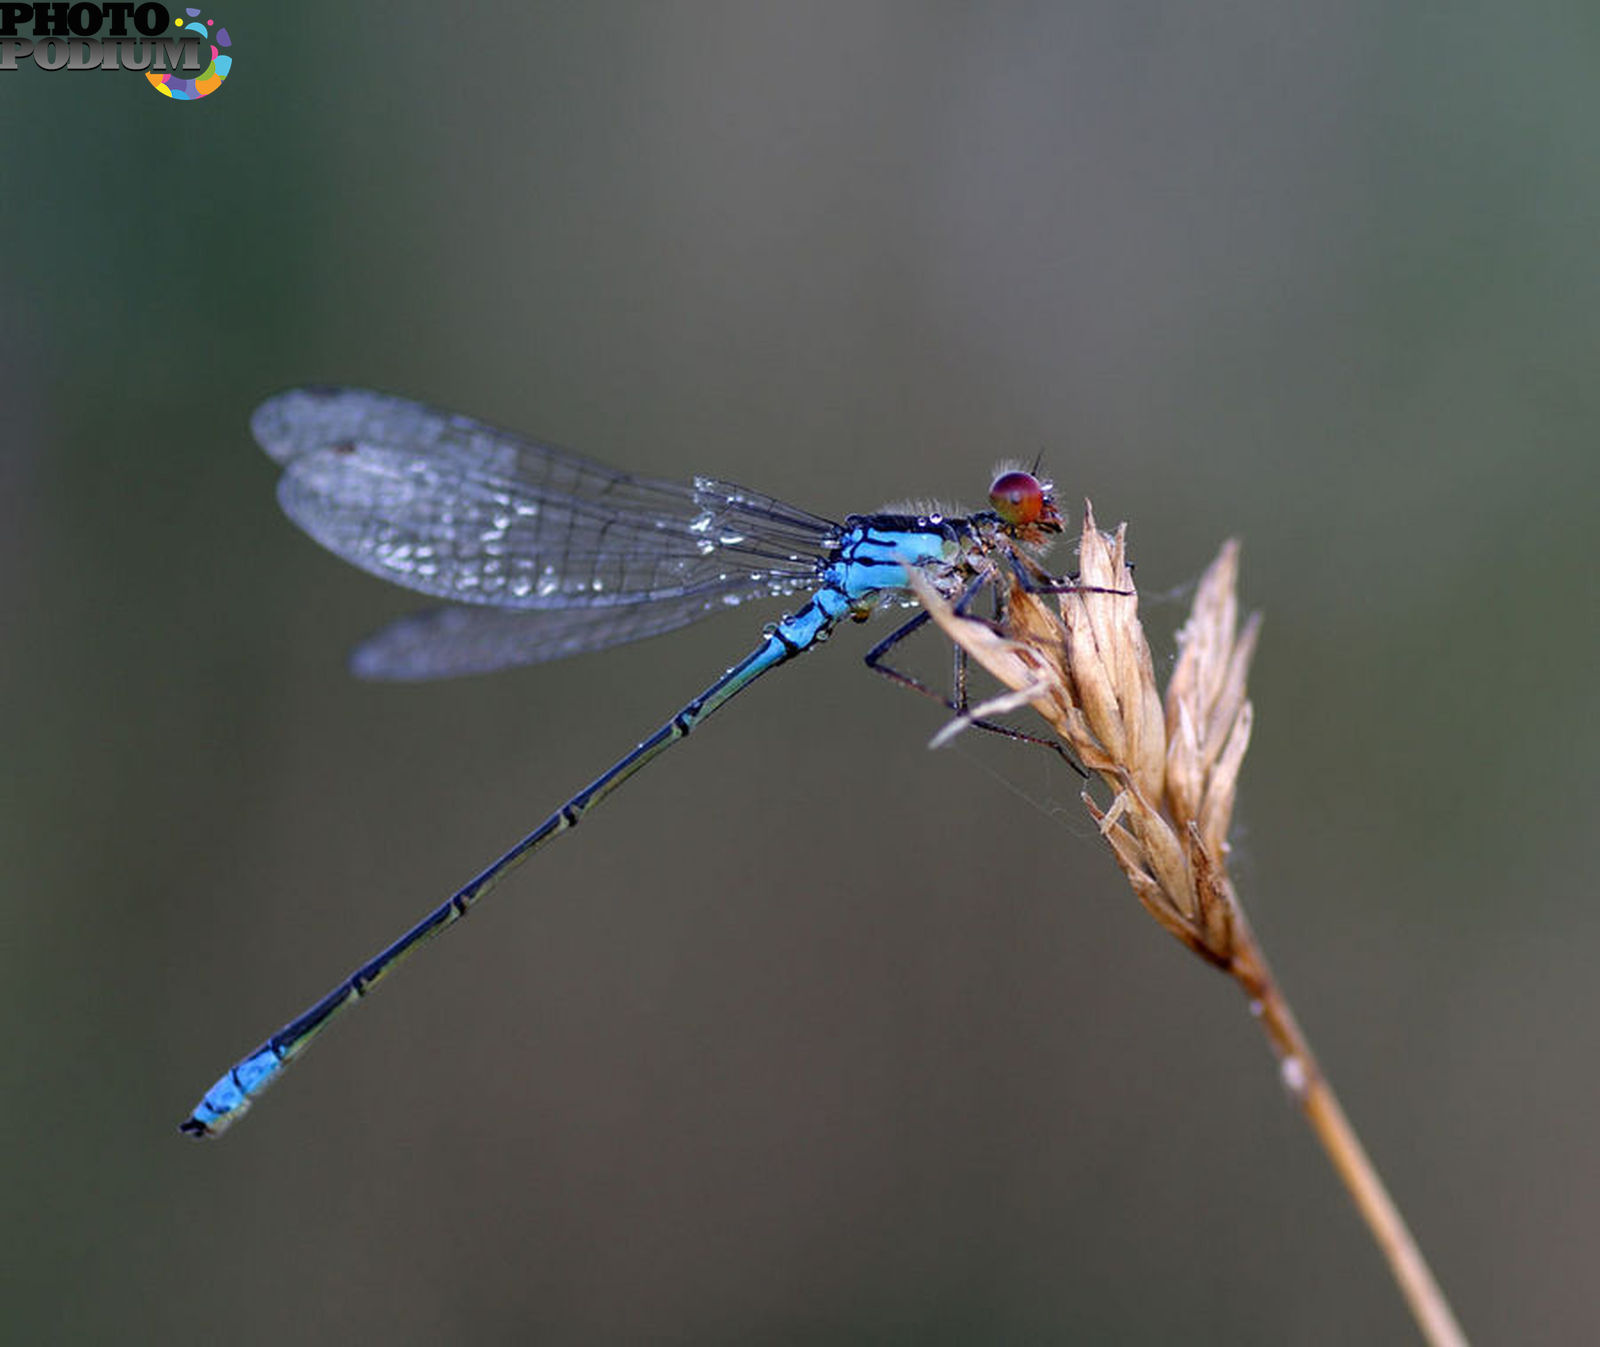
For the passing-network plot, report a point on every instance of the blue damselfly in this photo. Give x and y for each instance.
(542, 553)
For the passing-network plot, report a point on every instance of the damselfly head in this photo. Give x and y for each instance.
(1025, 505)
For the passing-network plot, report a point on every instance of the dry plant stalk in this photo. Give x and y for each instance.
(1172, 767)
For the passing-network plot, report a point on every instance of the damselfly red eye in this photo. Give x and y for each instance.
(1018, 498)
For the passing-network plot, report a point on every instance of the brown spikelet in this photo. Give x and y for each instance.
(1171, 765)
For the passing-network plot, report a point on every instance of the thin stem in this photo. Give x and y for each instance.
(1321, 1107)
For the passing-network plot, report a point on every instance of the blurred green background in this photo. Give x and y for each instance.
(811, 1035)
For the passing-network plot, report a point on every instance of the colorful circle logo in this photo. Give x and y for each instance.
(209, 80)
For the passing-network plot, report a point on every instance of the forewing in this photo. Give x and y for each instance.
(451, 507)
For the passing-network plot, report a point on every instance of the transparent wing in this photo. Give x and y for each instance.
(450, 507)
(448, 642)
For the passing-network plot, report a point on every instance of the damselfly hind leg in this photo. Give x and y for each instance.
(959, 703)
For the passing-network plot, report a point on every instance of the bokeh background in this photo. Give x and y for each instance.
(811, 1035)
